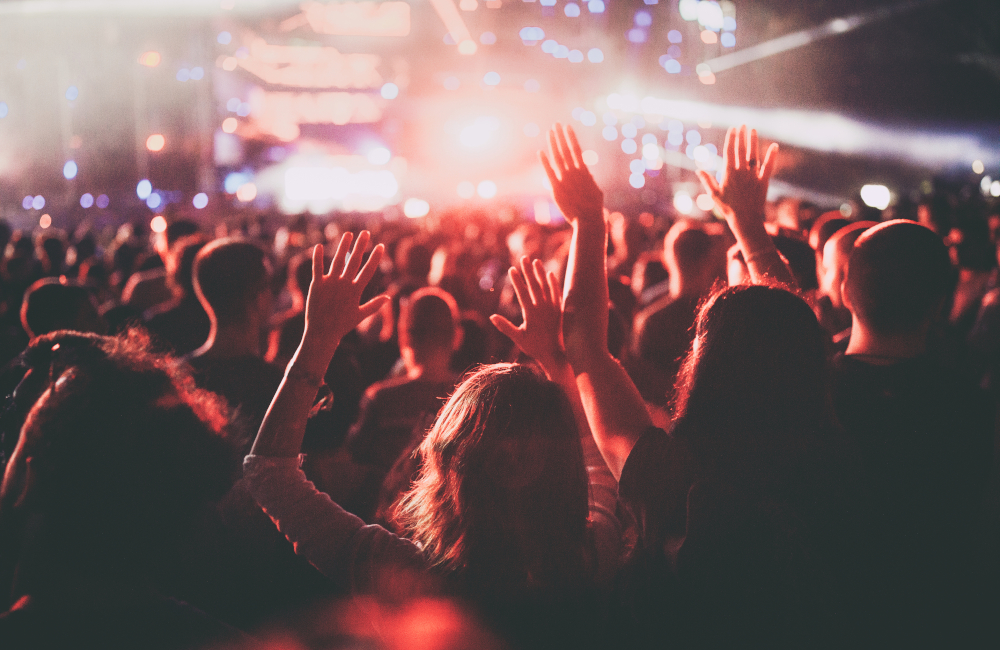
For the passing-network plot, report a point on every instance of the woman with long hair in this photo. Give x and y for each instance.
(499, 513)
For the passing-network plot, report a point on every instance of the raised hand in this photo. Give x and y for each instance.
(540, 335)
(745, 177)
(573, 188)
(332, 306)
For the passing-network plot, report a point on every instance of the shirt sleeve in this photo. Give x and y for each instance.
(602, 503)
(366, 559)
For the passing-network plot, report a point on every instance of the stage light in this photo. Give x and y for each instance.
(590, 157)
(466, 190)
(45, 221)
(984, 184)
(379, 156)
(705, 202)
(69, 170)
(643, 19)
(561, 52)
(72, 93)
(629, 130)
(247, 192)
(229, 63)
(673, 66)
(27, 202)
(416, 208)
(491, 79)
(154, 201)
(531, 130)
(637, 166)
(480, 133)
(158, 224)
(531, 35)
(629, 146)
(543, 212)
(588, 118)
(229, 125)
(103, 201)
(650, 151)
(486, 189)
(728, 40)
(693, 137)
(200, 200)
(977, 166)
(595, 6)
(636, 35)
(467, 47)
(683, 203)
(575, 56)
(610, 133)
(451, 83)
(532, 86)
(183, 74)
(572, 10)
(156, 142)
(636, 180)
(197, 73)
(995, 188)
(87, 200)
(150, 59)
(488, 38)
(710, 15)
(876, 196)
(709, 37)
(595, 55)
(688, 9)
(224, 38)
(235, 180)
(143, 189)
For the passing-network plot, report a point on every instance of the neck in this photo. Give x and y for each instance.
(232, 340)
(864, 342)
(432, 367)
(684, 287)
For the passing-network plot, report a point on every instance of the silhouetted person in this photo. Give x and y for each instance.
(52, 304)
(836, 254)
(925, 433)
(181, 323)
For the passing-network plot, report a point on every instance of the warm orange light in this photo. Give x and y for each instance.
(281, 113)
(467, 47)
(229, 125)
(45, 221)
(705, 202)
(229, 63)
(158, 224)
(707, 79)
(156, 142)
(150, 59)
(310, 67)
(709, 37)
(353, 18)
(590, 157)
(247, 192)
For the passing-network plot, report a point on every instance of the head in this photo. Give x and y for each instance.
(52, 304)
(836, 256)
(898, 278)
(757, 364)
(300, 274)
(118, 451)
(689, 254)
(501, 498)
(428, 324)
(175, 231)
(413, 259)
(824, 228)
(231, 279)
(180, 264)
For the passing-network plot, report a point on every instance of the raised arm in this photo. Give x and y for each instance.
(614, 408)
(332, 310)
(741, 198)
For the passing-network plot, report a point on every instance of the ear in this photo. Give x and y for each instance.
(456, 341)
(844, 298)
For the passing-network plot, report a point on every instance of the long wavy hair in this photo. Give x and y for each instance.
(501, 499)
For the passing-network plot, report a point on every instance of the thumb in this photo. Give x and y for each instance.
(372, 306)
(505, 326)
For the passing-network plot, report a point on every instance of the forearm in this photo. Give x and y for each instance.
(759, 252)
(284, 425)
(585, 303)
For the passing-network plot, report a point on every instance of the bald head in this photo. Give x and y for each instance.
(836, 256)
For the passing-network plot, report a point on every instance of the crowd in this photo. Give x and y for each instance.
(475, 431)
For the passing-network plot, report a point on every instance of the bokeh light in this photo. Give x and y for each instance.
(595, 55)
(87, 200)
(229, 125)
(390, 91)
(158, 224)
(629, 146)
(38, 202)
(595, 6)
(705, 202)
(488, 38)
(590, 157)
(156, 142)
(72, 93)
(491, 79)
(683, 203)
(102, 201)
(466, 190)
(379, 156)
(467, 47)
(415, 208)
(636, 180)
(224, 38)
(486, 189)
(572, 9)
(69, 170)
(977, 166)
(154, 200)
(200, 200)
(247, 192)
(45, 221)
(4, 109)
(150, 59)
(876, 196)
(143, 189)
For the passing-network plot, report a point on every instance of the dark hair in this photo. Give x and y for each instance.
(757, 366)
(52, 304)
(300, 270)
(827, 224)
(180, 228)
(428, 318)
(897, 277)
(125, 446)
(229, 274)
(180, 264)
(501, 498)
(413, 258)
(690, 246)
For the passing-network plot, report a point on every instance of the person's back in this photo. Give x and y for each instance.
(925, 433)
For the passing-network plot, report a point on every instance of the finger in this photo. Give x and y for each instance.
(534, 289)
(337, 265)
(520, 289)
(709, 183)
(538, 271)
(564, 147)
(357, 255)
(729, 159)
(754, 153)
(372, 306)
(575, 144)
(368, 270)
(551, 173)
(317, 261)
(770, 161)
(506, 327)
(557, 158)
(741, 147)
(554, 293)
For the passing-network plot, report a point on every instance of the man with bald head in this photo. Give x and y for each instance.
(836, 254)
(924, 433)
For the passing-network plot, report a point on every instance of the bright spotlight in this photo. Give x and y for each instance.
(379, 156)
(69, 170)
(45, 221)
(466, 190)
(143, 189)
(487, 189)
(705, 202)
(38, 202)
(156, 142)
(415, 208)
(977, 166)
(995, 188)
(683, 203)
(229, 125)
(480, 133)
(247, 192)
(150, 59)
(590, 157)
(876, 196)
(200, 200)
(158, 224)
(87, 200)
(154, 201)
(390, 91)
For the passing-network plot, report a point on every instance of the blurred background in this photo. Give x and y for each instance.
(125, 110)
